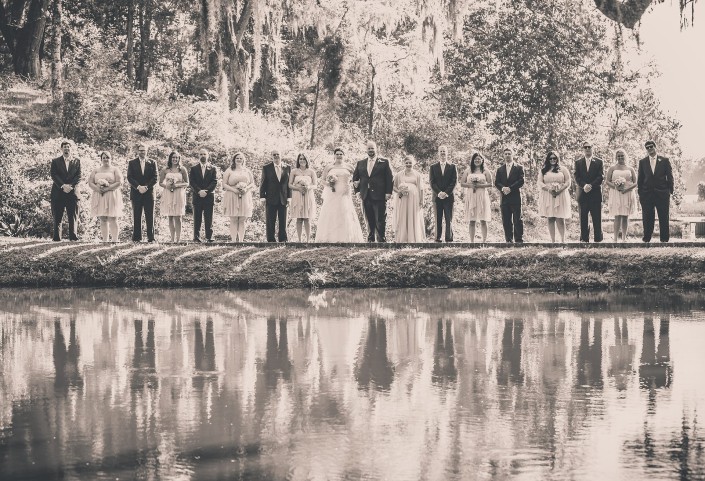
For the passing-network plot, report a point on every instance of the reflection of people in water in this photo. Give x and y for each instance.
(277, 361)
(66, 360)
(590, 357)
(373, 368)
(144, 358)
(204, 353)
(621, 355)
(443, 355)
(509, 371)
(655, 369)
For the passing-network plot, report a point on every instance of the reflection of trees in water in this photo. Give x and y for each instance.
(373, 369)
(669, 455)
(590, 355)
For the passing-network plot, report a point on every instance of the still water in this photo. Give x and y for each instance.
(351, 384)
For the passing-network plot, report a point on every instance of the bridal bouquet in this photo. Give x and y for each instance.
(476, 179)
(331, 180)
(102, 183)
(619, 182)
(241, 186)
(303, 182)
(403, 190)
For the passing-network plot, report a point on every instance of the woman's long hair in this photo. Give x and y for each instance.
(233, 165)
(547, 163)
(170, 163)
(474, 167)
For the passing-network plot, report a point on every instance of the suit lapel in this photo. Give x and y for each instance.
(375, 167)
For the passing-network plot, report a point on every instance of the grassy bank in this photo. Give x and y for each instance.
(37, 263)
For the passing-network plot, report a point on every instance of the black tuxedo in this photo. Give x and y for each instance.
(142, 202)
(60, 200)
(590, 203)
(655, 188)
(277, 194)
(374, 188)
(443, 181)
(510, 204)
(203, 206)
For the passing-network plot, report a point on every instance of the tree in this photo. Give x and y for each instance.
(22, 23)
(56, 64)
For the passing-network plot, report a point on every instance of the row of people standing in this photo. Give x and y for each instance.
(283, 188)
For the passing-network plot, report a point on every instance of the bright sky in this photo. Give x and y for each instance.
(680, 59)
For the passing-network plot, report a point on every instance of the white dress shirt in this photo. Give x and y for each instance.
(652, 160)
(370, 166)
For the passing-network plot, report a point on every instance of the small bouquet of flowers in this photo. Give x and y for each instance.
(240, 186)
(102, 183)
(403, 190)
(170, 182)
(476, 179)
(304, 182)
(555, 188)
(331, 181)
(619, 182)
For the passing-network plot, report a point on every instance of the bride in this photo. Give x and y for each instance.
(338, 221)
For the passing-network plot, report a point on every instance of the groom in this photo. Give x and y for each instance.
(373, 179)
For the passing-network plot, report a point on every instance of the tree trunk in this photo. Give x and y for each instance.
(370, 118)
(131, 40)
(143, 70)
(25, 42)
(57, 89)
(315, 108)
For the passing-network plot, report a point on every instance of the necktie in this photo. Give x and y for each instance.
(142, 162)
(443, 168)
(370, 166)
(279, 172)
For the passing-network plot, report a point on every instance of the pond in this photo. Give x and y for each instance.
(351, 384)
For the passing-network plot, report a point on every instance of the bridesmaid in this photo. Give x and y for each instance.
(554, 200)
(238, 183)
(476, 181)
(174, 180)
(106, 200)
(408, 213)
(302, 182)
(621, 180)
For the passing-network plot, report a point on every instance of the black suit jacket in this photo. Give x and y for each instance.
(61, 176)
(515, 181)
(198, 182)
(376, 185)
(135, 177)
(276, 191)
(660, 182)
(443, 182)
(593, 175)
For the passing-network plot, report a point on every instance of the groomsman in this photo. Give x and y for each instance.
(589, 174)
(275, 192)
(65, 174)
(142, 176)
(373, 180)
(655, 187)
(508, 180)
(443, 177)
(203, 178)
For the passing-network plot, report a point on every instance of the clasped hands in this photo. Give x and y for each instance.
(67, 188)
(442, 195)
(506, 190)
(587, 188)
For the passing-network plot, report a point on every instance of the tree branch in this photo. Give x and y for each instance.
(626, 13)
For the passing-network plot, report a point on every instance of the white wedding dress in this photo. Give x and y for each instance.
(338, 221)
